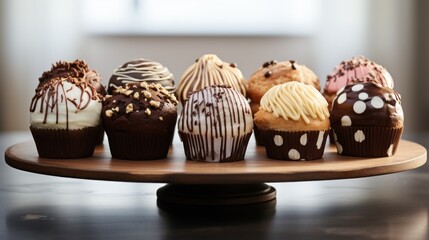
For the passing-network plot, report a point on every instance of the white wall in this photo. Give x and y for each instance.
(40, 32)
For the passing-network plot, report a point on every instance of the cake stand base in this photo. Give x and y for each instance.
(216, 194)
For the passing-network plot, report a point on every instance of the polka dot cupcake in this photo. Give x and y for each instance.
(367, 120)
(293, 121)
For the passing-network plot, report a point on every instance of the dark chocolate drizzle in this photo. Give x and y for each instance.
(52, 92)
(205, 114)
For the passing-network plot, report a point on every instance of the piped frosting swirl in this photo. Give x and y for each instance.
(210, 70)
(140, 70)
(295, 100)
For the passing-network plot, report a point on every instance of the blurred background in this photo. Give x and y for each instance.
(316, 33)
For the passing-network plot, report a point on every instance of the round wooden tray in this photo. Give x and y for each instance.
(255, 170)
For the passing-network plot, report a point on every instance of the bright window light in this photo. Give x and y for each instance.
(201, 17)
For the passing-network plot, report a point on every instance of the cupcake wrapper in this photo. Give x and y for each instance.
(140, 146)
(300, 145)
(100, 136)
(211, 149)
(258, 137)
(62, 143)
(367, 141)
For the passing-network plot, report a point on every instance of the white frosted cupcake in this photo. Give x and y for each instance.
(65, 118)
(215, 125)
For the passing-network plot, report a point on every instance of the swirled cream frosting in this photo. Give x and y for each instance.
(141, 70)
(210, 70)
(295, 100)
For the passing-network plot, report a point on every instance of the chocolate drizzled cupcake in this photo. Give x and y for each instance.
(215, 125)
(80, 70)
(367, 120)
(210, 70)
(139, 120)
(141, 70)
(293, 121)
(65, 117)
(273, 73)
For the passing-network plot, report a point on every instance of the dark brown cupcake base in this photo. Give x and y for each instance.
(300, 145)
(140, 145)
(62, 143)
(366, 141)
(204, 149)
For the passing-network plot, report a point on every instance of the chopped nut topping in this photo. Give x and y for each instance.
(143, 84)
(147, 94)
(114, 101)
(154, 104)
(147, 111)
(128, 92)
(116, 109)
(129, 108)
(108, 113)
(136, 95)
(161, 118)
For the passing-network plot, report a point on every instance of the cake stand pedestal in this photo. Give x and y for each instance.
(215, 184)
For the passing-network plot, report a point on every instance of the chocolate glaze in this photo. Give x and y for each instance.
(367, 104)
(139, 107)
(141, 70)
(76, 69)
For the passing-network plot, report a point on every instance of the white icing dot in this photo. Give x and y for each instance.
(390, 150)
(357, 87)
(303, 140)
(320, 139)
(377, 102)
(359, 136)
(346, 121)
(363, 96)
(359, 107)
(339, 148)
(294, 154)
(342, 98)
(278, 140)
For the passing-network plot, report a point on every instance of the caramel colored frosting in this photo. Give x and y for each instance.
(76, 69)
(295, 100)
(207, 71)
(140, 70)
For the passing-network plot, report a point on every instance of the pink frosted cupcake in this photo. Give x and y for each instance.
(356, 70)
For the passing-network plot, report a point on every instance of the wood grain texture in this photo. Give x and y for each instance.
(256, 168)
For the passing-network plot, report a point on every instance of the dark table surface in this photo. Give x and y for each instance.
(34, 206)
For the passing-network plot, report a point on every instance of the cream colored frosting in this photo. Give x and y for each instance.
(295, 100)
(207, 71)
(65, 105)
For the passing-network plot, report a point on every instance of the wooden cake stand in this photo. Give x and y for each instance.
(219, 184)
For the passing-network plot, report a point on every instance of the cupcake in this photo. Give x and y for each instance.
(367, 120)
(77, 69)
(293, 121)
(355, 70)
(215, 125)
(273, 73)
(210, 70)
(65, 117)
(139, 119)
(140, 70)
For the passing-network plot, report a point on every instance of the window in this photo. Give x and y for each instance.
(201, 17)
